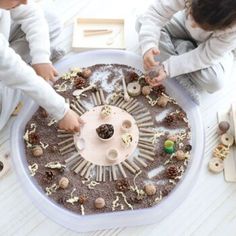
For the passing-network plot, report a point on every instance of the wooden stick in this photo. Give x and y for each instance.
(119, 102)
(76, 110)
(97, 33)
(136, 167)
(63, 131)
(145, 146)
(64, 135)
(127, 103)
(89, 171)
(110, 173)
(114, 173)
(76, 165)
(145, 119)
(98, 98)
(129, 167)
(130, 104)
(72, 157)
(142, 140)
(97, 173)
(140, 161)
(67, 151)
(122, 170)
(94, 30)
(80, 107)
(142, 115)
(65, 141)
(66, 147)
(83, 172)
(103, 101)
(146, 157)
(146, 130)
(146, 134)
(100, 173)
(146, 152)
(94, 99)
(146, 124)
(104, 174)
(80, 166)
(80, 103)
(133, 107)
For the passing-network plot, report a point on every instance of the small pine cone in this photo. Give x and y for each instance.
(122, 185)
(158, 90)
(132, 76)
(170, 119)
(33, 138)
(80, 82)
(172, 172)
(48, 177)
(82, 199)
(181, 115)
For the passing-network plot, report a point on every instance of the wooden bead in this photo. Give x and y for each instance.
(99, 203)
(63, 182)
(162, 101)
(146, 90)
(223, 127)
(172, 138)
(37, 151)
(180, 155)
(150, 189)
(86, 73)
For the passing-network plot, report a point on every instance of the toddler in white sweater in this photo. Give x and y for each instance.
(16, 76)
(195, 44)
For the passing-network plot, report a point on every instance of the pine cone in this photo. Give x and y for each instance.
(172, 172)
(80, 82)
(33, 138)
(170, 119)
(82, 199)
(122, 185)
(48, 177)
(158, 90)
(105, 131)
(180, 115)
(132, 76)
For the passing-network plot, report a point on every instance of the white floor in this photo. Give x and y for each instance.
(210, 209)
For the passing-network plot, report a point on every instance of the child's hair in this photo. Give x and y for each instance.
(213, 14)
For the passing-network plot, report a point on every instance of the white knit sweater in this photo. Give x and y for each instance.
(212, 46)
(14, 72)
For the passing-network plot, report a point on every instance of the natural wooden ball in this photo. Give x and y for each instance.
(63, 182)
(99, 203)
(180, 155)
(150, 189)
(146, 90)
(86, 73)
(162, 101)
(37, 151)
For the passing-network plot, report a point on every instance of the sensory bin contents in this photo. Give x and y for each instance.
(131, 152)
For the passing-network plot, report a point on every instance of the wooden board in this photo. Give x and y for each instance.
(114, 39)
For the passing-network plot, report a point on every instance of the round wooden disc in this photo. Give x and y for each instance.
(95, 150)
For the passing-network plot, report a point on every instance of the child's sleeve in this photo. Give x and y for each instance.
(151, 23)
(16, 74)
(205, 55)
(34, 25)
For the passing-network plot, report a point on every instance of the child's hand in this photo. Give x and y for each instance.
(148, 58)
(158, 80)
(46, 70)
(71, 122)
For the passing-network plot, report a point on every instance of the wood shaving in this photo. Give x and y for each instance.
(52, 189)
(151, 101)
(44, 146)
(27, 133)
(169, 159)
(116, 204)
(125, 199)
(51, 122)
(158, 199)
(92, 184)
(73, 198)
(82, 209)
(33, 169)
(55, 165)
(157, 135)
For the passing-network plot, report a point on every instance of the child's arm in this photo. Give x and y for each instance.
(205, 55)
(154, 19)
(15, 73)
(34, 25)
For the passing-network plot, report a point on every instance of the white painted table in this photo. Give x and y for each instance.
(210, 209)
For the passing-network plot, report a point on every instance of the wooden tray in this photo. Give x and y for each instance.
(112, 40)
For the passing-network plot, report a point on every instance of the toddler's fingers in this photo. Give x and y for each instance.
(55, 73)
(156, 51)
(81, 121)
